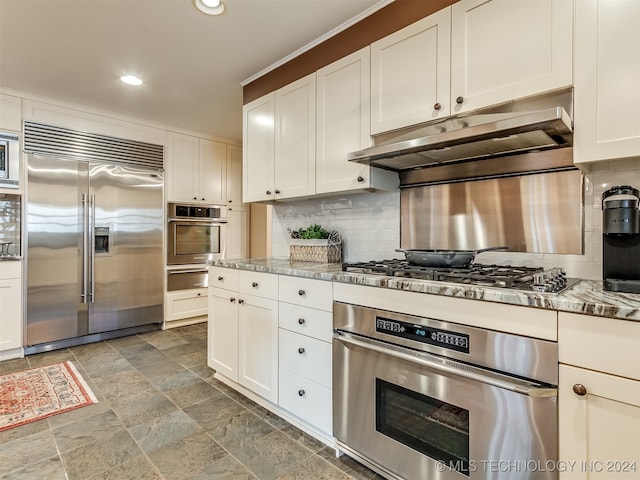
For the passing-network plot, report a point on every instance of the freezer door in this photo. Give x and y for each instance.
(126, 231)
(55, 220)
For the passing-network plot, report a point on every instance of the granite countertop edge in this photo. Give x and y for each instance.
(585, 297)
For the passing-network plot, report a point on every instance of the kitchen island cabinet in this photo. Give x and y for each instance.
(599, 397)
(607, 75)
(11, 309)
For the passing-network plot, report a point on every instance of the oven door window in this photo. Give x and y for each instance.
(432, 427)
(196, 239)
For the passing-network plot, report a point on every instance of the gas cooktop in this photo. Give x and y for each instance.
(536, 279)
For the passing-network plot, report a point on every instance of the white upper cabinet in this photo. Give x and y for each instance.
(196, 170)
(503, 50)
(410, 74)
(295, 133)
(10, 113)
(342, 111)
(258, 152)
(607, 80)
(279, 148)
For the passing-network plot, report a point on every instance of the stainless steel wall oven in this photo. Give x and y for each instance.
(195, 233)
(418, 398)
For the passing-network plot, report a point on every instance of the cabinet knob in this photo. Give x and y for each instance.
(230, 201)
(459, 100)
(240, 301)
(232, 299)
(268, 192)
(277, 192)
(301, 393)
(220, 278)
(254, 284)
(195, 198)
(437, 106)
(199, 294)
(579, 389)
(301, 292)
(360, 179)
(203, 199)
(300, 350)
(301, 321)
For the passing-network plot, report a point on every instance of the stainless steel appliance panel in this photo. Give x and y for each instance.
(9, 160)
(94, 249)
(187, 279)
(195, 233)
(540, 213)
(57, 204)
(126, 230)
(499, 425)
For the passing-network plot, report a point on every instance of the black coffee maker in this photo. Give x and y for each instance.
(621, 239)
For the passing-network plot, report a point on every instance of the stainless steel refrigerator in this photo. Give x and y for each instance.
(94, 251)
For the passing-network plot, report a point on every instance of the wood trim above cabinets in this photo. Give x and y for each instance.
(389, 19)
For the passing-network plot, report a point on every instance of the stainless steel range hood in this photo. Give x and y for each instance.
(478, 136)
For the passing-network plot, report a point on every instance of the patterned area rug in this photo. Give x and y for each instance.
(41, 392)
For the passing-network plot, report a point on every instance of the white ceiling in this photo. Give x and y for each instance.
(192, 64)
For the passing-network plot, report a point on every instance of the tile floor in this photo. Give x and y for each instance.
(161, 415)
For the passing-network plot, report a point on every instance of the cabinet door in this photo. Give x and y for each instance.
(234, 175)
(11, 317)
(237, 233)
(502, 50)
(258, 149)
(212, 174)
(222, 345)
(186, 304)
(342, 122)
(183, 157)
(258, 346)
(295, 133)
(10, 113)
(607, 79)
(410, 74)
(598, 430)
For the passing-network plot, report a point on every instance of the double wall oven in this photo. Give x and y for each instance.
(419, 398)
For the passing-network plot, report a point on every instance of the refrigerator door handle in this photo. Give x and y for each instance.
(92, 247)
(85, 226)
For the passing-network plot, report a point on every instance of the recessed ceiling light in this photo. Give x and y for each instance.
(210, 7)
(131, 80)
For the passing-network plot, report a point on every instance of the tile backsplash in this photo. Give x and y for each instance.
(370, 223)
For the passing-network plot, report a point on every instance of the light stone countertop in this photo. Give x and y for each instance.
(587, 296)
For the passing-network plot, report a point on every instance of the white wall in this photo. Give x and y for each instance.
(370, 224)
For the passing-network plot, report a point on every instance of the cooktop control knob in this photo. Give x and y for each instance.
(552, 280)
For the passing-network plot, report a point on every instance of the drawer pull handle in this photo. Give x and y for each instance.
(579, 389)
(459, 100)
(199, 294)
(254, 284)
(240, 301)
(301, 321)
(300, 350)
(301, 393)
(301, 292)
(232, 299)
(220, 278)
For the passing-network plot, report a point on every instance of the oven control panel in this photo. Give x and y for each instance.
(432, 336)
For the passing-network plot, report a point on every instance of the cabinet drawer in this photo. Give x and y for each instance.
(305, 399)
(306, 321)
(304, 291)
(597, 343)
(305, 356)
(187, 304)
(226, 278)
(259, 284)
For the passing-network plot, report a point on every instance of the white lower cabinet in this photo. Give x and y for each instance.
(11, 310)
(185, 306)
(271, 335)
(599, 397)
(258, 346)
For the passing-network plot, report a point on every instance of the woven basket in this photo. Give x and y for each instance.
(319, 251)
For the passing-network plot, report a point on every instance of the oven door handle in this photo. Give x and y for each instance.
(437, 363)
(202, 220)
